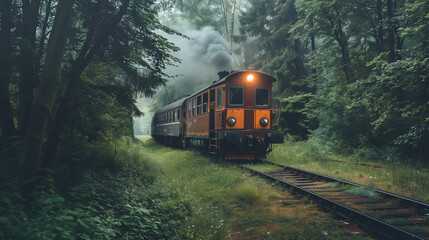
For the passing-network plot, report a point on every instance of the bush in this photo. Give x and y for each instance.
(126, 201)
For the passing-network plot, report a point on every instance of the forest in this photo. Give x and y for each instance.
(353, 78)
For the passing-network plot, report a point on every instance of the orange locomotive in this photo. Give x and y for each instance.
(232, 117)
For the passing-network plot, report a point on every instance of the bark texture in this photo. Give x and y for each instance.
(47, 91)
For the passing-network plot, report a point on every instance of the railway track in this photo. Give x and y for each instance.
(387, 215)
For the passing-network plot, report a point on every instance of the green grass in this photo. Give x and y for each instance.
(363, 192)
(265, 167)
(227, 201)
(246, 195)
(403, 179)
(330, 184)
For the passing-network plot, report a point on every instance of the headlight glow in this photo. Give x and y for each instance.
(250, 77)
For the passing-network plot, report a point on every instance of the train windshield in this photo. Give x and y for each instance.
(236, 96)
(262, 96)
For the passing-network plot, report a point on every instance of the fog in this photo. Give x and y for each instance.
(202, 56)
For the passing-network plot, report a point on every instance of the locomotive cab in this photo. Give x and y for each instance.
(233, 117)
(246, 130)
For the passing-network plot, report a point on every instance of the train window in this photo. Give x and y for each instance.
(219, 98)
(178, 114)
(174, 116)
(212, 95)
(194, 105)
(262, 97)
(199, 104)
(189, 108)
(236, 96)
(205, 101)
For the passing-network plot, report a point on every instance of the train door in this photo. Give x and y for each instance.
(212, 109)
(212, 131)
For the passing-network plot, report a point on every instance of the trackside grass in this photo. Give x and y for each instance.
(403, 179)
(228, 203)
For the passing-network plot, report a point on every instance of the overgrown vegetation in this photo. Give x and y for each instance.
(352, 74)
(411, 180)
(120, 200)
(363, 192)
(227, 202)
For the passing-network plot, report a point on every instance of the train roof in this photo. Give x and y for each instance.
(180, 102)
(233, 74)
(172, 105)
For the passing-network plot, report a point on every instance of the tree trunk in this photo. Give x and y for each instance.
(47, 91)
(30, 13)
(379, 39)
(43, 36)
(399, 40)
(390, 31)
(6, 116)
(313, 48)
(73, 80)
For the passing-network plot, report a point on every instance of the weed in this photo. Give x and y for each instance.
(363, 192)
(246, 195)
(329, 184)
(273, 196)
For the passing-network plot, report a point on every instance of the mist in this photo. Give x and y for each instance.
(202, 56)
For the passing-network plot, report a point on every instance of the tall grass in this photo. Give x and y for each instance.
(400, 178)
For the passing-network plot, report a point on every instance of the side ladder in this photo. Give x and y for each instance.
(213, 141)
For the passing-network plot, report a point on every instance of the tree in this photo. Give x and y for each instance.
(120, 34)
(47, 90)
(273, 49)
(6, 115)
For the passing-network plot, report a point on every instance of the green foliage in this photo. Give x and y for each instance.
(296, 119)
(394, 175)
(273, 49)
(363, 98)
(363, 192)
(246, 195)
(123, 202)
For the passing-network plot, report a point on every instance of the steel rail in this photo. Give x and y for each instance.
(377, 226)
(422, 207)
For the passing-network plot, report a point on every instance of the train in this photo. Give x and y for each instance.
(231, 118)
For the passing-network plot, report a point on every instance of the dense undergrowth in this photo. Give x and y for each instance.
(117, 197)
(131, 189)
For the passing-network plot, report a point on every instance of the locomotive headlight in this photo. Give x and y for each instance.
(250, 77)
(264, 121)
(231, 121)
